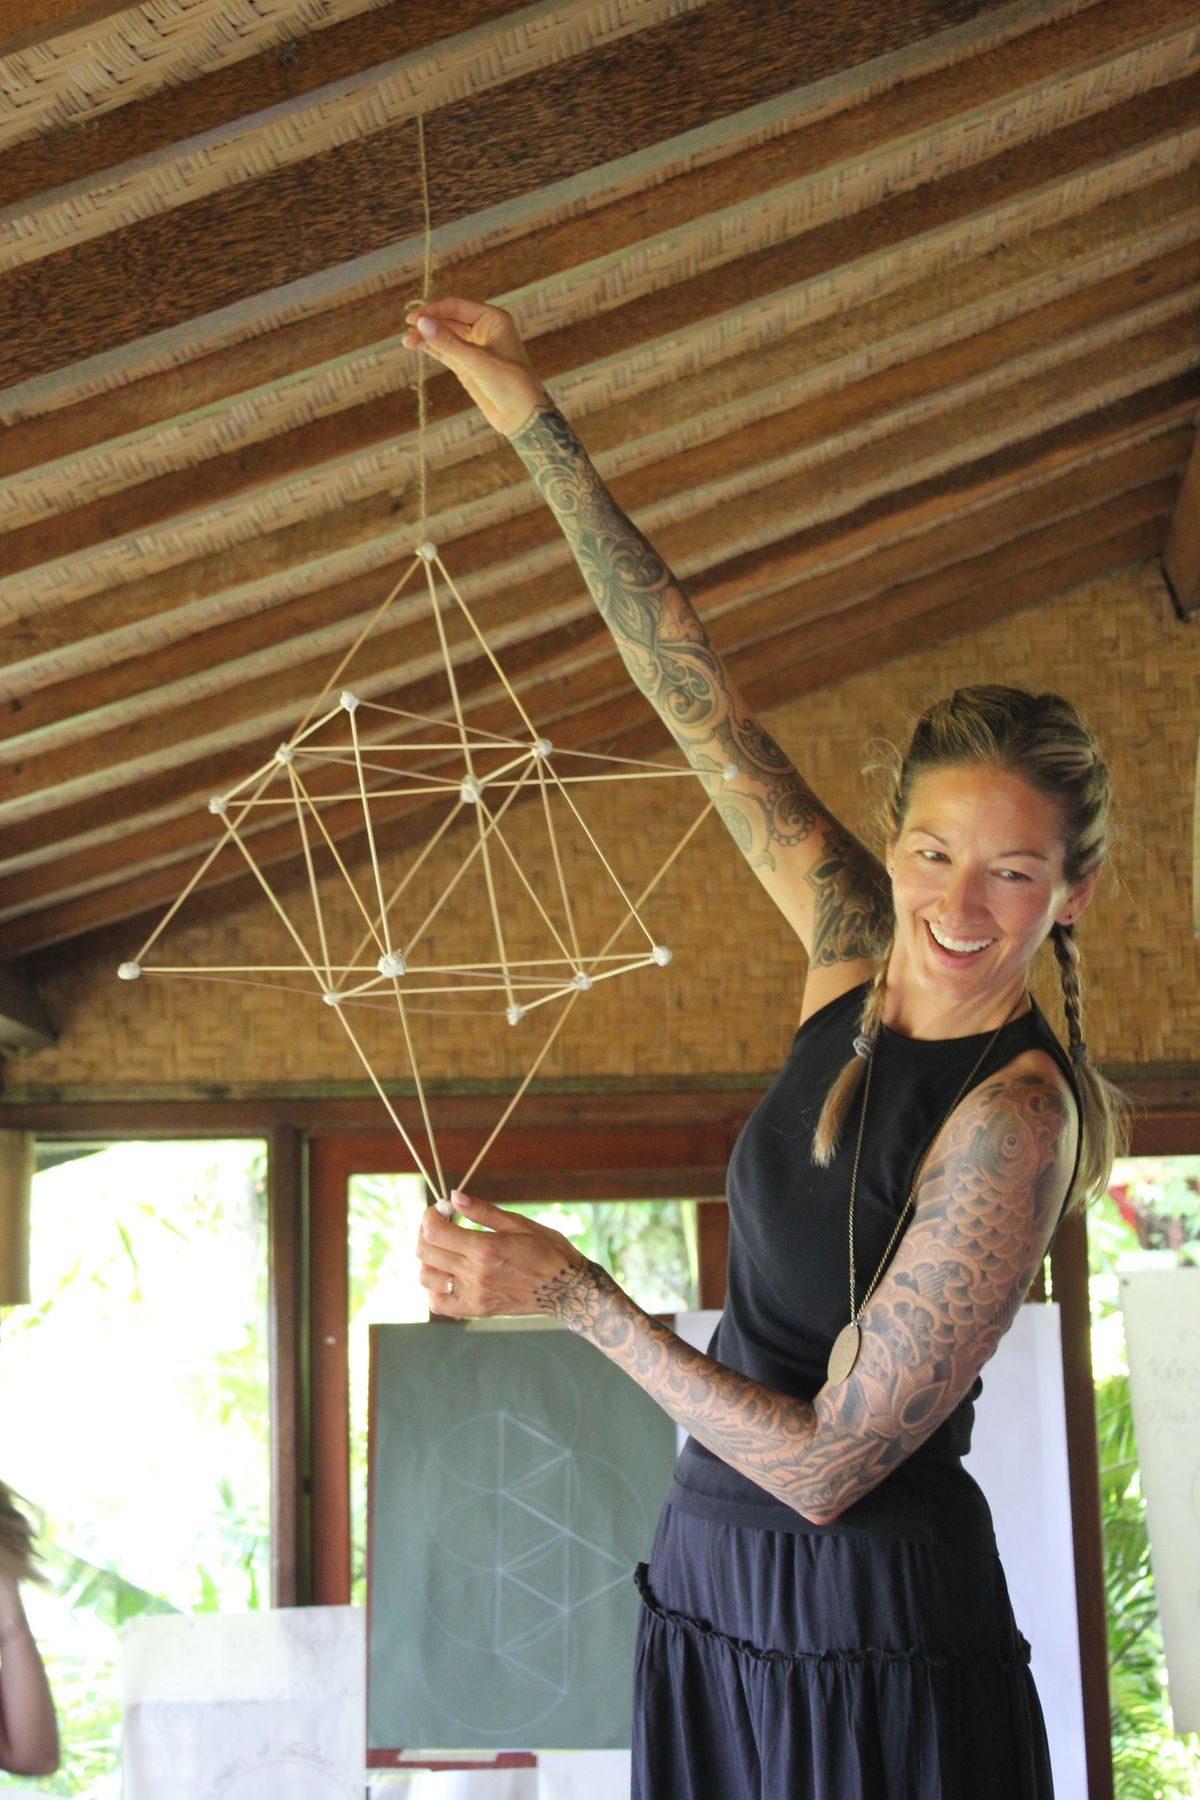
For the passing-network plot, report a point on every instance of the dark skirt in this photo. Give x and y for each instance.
(818, 1665)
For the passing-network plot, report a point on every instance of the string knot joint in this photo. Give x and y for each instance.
(129, 971)
(391, 963)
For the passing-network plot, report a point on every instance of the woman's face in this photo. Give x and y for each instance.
(977, 881)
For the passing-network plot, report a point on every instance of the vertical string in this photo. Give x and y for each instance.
(426, 284)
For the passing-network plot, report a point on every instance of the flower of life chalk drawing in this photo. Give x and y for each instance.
(399, 780)
(540, 1534)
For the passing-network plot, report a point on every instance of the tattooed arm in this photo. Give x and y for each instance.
(985, 1211)
(829, 887)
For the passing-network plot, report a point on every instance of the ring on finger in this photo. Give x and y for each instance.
(449, 1287)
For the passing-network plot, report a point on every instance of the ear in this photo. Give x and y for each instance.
(1077, 899)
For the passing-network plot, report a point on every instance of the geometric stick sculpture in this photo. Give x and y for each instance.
(532, 956)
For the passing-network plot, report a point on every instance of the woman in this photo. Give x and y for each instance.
(825, 1616)
(28, 1728)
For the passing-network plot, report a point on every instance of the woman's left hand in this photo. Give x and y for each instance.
(515, 1266)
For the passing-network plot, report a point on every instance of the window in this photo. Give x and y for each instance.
(134, 1397)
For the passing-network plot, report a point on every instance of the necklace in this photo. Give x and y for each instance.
(848, 1341)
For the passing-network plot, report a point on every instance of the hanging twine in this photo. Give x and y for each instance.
(423, 300)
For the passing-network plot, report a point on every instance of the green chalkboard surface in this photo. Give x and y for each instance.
(516, 1476)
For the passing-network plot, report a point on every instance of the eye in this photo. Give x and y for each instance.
(1012, 875)
(932, 855)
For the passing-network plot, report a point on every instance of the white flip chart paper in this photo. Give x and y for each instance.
(1162, 1334)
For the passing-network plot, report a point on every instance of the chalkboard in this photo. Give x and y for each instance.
(515, 1479)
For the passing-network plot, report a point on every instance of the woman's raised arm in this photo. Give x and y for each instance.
(829, 887)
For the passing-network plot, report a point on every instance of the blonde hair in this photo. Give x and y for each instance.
(18, 1553)
(1042, 739)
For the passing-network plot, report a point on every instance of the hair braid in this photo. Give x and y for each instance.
(837, 1100)
(1066, 955)
(1103, 1108)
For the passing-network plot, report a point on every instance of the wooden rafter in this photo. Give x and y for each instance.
(1181, 553)
(880, 336)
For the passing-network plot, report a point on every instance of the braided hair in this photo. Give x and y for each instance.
(1042, 739)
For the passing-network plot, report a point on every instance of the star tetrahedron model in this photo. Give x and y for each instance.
(355, 763)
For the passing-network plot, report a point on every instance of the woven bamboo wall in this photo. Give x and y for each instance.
(728, 1002)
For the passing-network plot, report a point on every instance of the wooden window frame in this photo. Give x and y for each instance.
(591, 1144)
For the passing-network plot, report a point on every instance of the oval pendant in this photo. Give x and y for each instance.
(844, 1354)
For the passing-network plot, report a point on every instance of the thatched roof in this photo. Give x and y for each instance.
(881, 318)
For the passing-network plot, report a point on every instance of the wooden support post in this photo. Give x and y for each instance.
(1181, 553)
(712, 1234)
(331, 1161)
(290, 1572)
(1069, 1275)
(24, 1021)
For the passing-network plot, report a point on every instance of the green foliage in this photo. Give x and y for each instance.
(648, 1246)
(128, 1244)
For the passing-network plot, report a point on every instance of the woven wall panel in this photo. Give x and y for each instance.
(728, 1003)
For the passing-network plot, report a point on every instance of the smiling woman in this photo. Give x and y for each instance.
(825, 1615)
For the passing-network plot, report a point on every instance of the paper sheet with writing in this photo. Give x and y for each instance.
(257, 1706)
(1162, 1335)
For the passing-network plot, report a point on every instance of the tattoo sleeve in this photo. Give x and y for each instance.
(669, 655)
(985, 1213)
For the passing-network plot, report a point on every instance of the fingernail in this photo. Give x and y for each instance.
(460, 1200)
(427, 328)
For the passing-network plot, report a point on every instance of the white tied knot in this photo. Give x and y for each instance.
(863, 1046)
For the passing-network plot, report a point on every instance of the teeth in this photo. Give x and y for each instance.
(962, 945)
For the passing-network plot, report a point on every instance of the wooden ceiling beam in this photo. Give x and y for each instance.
(284, 75)
(1130, 486)
(599, 105)
(347, 202)
(604, 229)
(778, 685)
(618, 723)
(275, 77)
(27, 642)
(172, 807)
(30, 22)
(246, 472)
(1181, 554)
(284, 631)
(268, 701)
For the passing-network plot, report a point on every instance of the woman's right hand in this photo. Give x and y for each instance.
(482, 346)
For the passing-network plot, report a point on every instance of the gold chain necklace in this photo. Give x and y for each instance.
(848, 1341)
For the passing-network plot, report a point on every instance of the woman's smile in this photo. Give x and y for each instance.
(977, 882)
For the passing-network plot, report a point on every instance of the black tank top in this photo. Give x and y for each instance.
(788, 1291)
